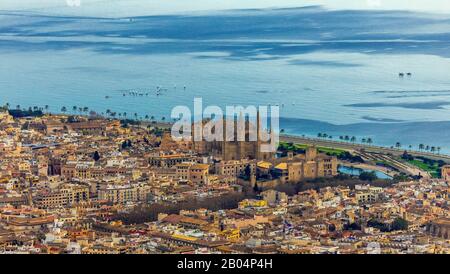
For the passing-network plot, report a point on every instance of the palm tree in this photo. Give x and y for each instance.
(421, 147)
(146, 117)
(319, 135)
(427, 148)
(18, 107)
(433, 149)
(85, 109)
(410, 147)
(152, 118)
(369, 140)
(74, 108)
(63, 109)
(7, 105)
(439, 150)
(163, 118)
(341, 137)
(363, 140)
(398, 145)
(46, 108)
(353, 139)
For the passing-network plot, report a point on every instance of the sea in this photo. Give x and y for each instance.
(330, 71)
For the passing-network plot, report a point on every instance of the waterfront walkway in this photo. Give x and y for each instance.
(360, 147)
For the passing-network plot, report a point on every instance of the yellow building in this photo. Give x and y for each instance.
(252, 203)
(231, 234)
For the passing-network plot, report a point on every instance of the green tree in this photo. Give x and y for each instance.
(256, 188)
(399, 224)
(96, 156)
(368, 176)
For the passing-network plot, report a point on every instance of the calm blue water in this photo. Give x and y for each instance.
(358, 171)
(331, 71)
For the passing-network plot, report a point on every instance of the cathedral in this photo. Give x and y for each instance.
(236, 150)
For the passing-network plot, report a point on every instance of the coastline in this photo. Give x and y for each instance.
(298, 138)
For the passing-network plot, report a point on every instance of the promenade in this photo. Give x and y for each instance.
(361, 147)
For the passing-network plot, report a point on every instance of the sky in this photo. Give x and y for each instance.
(117, 8)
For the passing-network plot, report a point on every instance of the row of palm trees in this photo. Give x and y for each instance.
(112, 114)
(353, 139)
(85, 110)
(368, 140)
(421, 147)
(34, 108)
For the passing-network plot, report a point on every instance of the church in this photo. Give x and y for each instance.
(236, 150)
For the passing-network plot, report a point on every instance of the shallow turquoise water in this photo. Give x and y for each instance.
(358, 171)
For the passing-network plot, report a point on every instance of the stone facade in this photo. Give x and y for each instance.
(310, 165)
(440, 228)
(234, 150)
